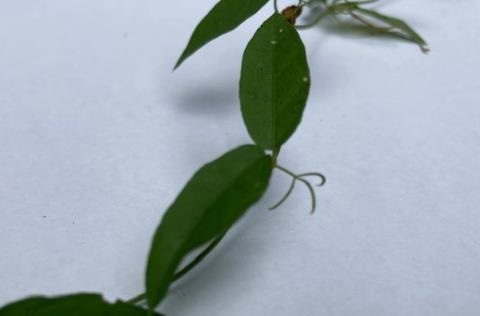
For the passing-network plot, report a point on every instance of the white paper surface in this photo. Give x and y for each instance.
(97, 136)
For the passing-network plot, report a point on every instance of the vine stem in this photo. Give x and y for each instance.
(139, 298)
(275, 153)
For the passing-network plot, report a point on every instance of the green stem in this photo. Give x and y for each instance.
(139, 298)
(275, 153)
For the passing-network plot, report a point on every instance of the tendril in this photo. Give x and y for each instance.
(312, 194)
(285, 197)
(322, 178)
(300, 177)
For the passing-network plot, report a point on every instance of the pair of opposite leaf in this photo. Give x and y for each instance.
(273, 91)
(275, 78)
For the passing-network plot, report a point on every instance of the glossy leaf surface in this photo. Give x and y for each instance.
(77, 304)
(274, 84)
(223, 18)
(216, 196)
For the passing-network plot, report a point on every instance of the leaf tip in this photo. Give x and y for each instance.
(177, 64)
(425, 49)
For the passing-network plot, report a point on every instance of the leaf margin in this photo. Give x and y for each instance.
(157, 287)
(213, 14)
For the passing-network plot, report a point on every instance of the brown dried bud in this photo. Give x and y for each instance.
(291, 13)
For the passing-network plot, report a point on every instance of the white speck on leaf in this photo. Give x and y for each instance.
(273, 42)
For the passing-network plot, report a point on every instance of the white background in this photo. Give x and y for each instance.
(97, 136)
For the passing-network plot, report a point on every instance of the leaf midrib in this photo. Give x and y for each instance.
(221, 193)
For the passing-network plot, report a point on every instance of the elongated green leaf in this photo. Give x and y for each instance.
(216, 196)
(223, 18)
(399, 27)
(77, 304)
(274, 83)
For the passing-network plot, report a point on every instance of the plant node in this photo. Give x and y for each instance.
(291, 13)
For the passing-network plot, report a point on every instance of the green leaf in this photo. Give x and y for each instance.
(274, 83)
(223, 18)
(77, 304)
(398, 27)
(210, 203)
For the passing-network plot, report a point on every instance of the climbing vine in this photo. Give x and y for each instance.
(274, 86)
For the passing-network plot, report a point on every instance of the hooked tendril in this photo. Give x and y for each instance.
(300, 177)
(285, 197)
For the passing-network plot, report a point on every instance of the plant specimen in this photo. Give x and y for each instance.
(274, 86)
